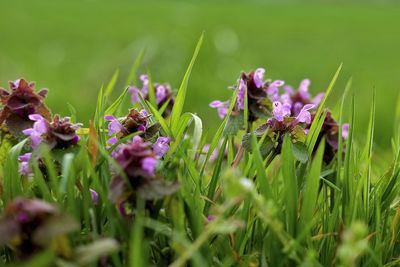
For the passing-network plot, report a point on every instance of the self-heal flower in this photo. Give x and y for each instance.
(223, 107)
(30, 226)
(345, 131)
(22, 100)
(163, 94)
(149, 165)
(114, 126)
(24, 166)
(95, 196)
(304, 115)
(39, 130)
(60, 133)
(280, 111)
(258, 77)
(161, 147)
(273, 89)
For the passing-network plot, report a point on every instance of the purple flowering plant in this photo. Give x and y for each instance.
(164, 96)
(279, 178)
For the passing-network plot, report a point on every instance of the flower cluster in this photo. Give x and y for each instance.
(20, 102)
(135, 121)
(138, 162)
(163, 94)
(26, 223)
(291, 112)
(60, 133)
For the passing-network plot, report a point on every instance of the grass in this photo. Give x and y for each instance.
(275, 211)
(75, 56)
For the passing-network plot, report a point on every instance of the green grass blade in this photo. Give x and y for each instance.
(180, 98)
(314, 130)
(262, 178)
(152, 93)
(161, 120)
(312, 186)
(114, 106)
(111, 84)
(132, 74)
(290, 186)
(12, 178)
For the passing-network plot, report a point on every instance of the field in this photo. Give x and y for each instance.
(72, 47)
(226, 165)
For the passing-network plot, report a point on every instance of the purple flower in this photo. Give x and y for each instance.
(273, 89)
(39, 129)
(114, 126)
(24, 166)
(137, 161)
(345, 131)
(22, 100)
(59, 133)
(135, 92)
(95, 196)
(223, 107)
(318, 99)
(280, 111)
(149, 165)
(145, 79)
(161, 147)
(303, 89)
(161, 94)
(241, 95)
(304, 115)
(210, 218)
(28, 227)
(258, 77)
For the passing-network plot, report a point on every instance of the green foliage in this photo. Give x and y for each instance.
(279, 204)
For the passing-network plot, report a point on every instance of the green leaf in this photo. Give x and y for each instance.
(300, 152)
(262, 178)
(87, 254)
(132, 74)
(114, 106)
(161, 120)
(180, 98)
(12, 178)
(234, 124)
(312, 185)
(290, 186)
(111, 84)
(315, 129)
(152, 93)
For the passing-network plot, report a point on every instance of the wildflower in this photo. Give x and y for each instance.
(114, 126)
(345, 131)
(60, 133)
(21, 100)
(95, 196)
(134, 122)
(330, 131)
(297, 100)
(24, 166)
(257, 96)
(223, 107)
(161, 147)
(26, 225)
(163, 94)
(39, 130)
(138, 162)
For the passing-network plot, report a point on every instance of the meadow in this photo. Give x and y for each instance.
(73, 47)
(255, 146)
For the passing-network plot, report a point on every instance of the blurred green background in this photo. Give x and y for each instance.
(72, 47)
